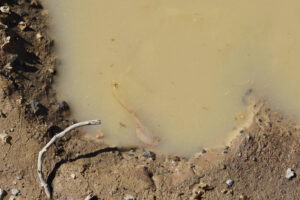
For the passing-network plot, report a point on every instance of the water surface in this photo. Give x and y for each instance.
(181, 67)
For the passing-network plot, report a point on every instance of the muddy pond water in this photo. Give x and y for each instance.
(178, 70)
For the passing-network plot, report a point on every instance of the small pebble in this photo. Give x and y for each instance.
(5, 138)
(243, 197)
(254, 159)
(224, 191)
(73, 176)
(22, 25)
(129, 197)
(38, 36)
(11, 130)
(89, 197)
(51, 71)
(197, 193)
(248, 137)
(290, 173)
(230, 182)
(223, 166)
(5, 9)
(15, 192)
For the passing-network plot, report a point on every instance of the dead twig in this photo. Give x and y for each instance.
(54, 139)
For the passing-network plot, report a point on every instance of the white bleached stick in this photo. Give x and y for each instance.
(54, 139)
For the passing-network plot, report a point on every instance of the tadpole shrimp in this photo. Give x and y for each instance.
(142, 133)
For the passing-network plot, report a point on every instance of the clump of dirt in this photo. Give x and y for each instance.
(253, 167)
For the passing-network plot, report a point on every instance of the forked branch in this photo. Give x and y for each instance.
(53, 140)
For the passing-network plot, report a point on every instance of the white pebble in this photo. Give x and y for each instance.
(5, 9)
(4, 137)
(15, 192)
(290, 173)
(129, 197)
(39, 36)
(89, 197)
(230, 182)
(73, 176)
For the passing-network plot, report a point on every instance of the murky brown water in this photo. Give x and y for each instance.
(180, 68)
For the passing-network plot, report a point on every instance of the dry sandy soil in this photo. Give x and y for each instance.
(30, 115)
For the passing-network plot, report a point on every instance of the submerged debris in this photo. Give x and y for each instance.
(100, 135)
(290, 173)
